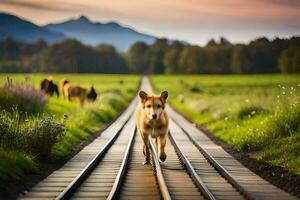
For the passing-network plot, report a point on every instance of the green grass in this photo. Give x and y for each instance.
(14, 165)
(259, 114)
(113, 96)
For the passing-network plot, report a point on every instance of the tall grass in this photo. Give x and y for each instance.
(259, 114)
(23, 96)
(35, 136)
(14, 166)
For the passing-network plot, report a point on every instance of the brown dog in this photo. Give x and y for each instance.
(70, 90)
(151, 119)
(49, 87)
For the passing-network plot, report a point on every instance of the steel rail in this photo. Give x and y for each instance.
(227, 175)
(115, 191)
(80, 178)
(198, 181)
(159, 175)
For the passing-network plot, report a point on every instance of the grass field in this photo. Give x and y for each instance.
(79, 123)
(259, 114)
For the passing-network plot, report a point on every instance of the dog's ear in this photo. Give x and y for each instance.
(143, 95)
(163, 96)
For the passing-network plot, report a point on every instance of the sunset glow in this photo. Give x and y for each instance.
(194, 21)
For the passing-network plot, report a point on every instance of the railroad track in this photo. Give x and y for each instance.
(111, 168)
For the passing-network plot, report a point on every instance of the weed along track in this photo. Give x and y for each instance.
(111, 168)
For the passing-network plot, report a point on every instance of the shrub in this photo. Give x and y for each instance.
(41, 134)
(35, 135)
(249, 111)
(24, 97)
(284, 123)
(195, 88)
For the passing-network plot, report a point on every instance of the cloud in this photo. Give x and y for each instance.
(42, 5)
(193, 20)
(291, 3)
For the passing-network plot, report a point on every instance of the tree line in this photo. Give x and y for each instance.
(163, 56)
(259, 56)
(69, 56)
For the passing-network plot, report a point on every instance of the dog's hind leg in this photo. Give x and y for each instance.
(161, 147)
(81, 101)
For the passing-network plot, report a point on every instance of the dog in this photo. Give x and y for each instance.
(152, 120)
(49, 87)
(72, 90)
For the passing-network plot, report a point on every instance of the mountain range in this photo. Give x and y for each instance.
(12, 26)
(82, 29)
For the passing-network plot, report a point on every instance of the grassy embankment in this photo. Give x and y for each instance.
(56, 127)
(259, 114)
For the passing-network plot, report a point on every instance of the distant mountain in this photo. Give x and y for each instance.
(94, 33)
(20, 29)
(82, 29)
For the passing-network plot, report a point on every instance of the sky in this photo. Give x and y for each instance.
(194, 21)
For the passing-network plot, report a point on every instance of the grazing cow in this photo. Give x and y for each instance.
(49, 87)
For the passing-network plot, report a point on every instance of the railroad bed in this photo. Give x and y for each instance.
(111, 167)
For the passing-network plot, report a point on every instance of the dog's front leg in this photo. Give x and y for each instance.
(146, 148)
(161, 147)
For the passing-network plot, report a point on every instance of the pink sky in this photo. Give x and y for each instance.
(195, 21)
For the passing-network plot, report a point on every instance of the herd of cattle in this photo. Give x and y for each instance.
(69, 90)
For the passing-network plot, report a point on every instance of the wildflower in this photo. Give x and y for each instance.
(253, 112)
(247, 100)
(226, 118)
(283, 93)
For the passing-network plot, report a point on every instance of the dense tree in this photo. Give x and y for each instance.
(217, 59)
(240, 62)
(211, 43)
(171, 58)
(289, 60)
(9, 49)
(156, 54)
(263, 56)
(71, 56)
(163, 56)
(138, 58)
(192, 60)
(224, 42)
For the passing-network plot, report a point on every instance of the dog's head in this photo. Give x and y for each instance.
(153, 106)
(92, 95)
